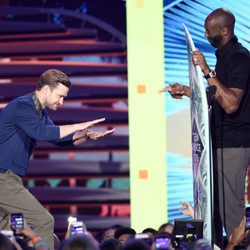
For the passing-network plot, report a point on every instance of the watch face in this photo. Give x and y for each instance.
(212, 73)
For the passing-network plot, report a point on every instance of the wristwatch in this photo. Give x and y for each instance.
(211, 74)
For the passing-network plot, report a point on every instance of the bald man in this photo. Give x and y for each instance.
(230, 115)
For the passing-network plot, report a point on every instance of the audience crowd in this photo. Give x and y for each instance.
(117, 237)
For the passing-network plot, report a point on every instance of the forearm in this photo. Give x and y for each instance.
(36, 240)
(39, 244)
(66, 130)
(226, 97)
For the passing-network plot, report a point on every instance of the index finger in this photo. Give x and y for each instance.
(164, 90)
(108, 132)
(243, 222)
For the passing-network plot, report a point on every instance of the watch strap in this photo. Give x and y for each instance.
(211, 74)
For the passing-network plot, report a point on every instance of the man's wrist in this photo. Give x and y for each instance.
(186, 90)
(231, 243)
(211, 74)
(206, 71)
(87, 134)
(36, 239)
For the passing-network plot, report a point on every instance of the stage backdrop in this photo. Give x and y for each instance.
(147, 121)
(159, 129)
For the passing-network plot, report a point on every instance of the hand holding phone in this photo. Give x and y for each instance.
(247, 214)
(17, 222)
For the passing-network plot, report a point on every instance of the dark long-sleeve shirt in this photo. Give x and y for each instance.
(21, 126)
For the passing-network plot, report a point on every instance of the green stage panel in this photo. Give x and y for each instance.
(147, 119)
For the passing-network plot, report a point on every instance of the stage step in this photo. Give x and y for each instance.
(23, 27)
(15, 69)
(79, 195)
(58, 48)
(47, 168)
(84, 33)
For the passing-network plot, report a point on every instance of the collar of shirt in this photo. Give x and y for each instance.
(225, 49)
(37, 104)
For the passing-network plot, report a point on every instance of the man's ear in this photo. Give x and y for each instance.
(224, 31)
(46, 89)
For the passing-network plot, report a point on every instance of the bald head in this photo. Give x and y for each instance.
(222, 17)
(219, 27)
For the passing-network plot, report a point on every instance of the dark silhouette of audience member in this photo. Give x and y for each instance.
(202, 244)
(109, 233)
(124, 233)
(150, 232)
(57, 242)
(136, 245)
(110, 244)
(5, 243)
(83, 242)
(166, 227)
